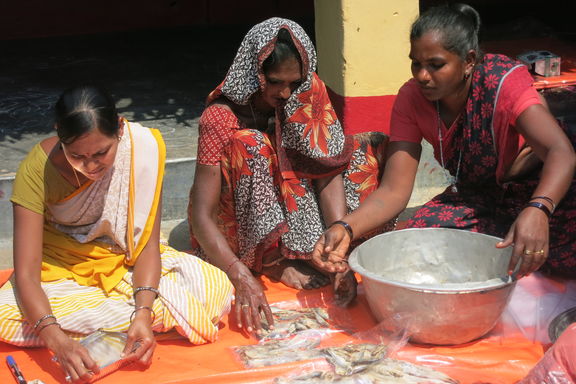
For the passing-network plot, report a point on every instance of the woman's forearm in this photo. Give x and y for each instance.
(378, 208)
(557, 174)
(27, 243)
(332, 198)
(148, 267)
(213, 243)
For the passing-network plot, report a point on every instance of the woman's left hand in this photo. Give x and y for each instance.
(141, 343)
(529, 237)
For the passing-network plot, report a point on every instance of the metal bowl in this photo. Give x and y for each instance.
(444, 286)
(560, 323)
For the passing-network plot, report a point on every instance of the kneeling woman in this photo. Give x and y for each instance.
(86, 243)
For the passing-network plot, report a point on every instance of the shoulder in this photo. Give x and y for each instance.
(218, 115)
(37, 157)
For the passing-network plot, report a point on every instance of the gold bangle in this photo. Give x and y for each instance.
(143, 307)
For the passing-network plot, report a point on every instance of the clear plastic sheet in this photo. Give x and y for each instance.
(291, 318)
(301, 346)
(558, 366)
(386, 370)
(534, 304)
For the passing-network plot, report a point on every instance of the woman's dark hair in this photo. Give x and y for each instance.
(283, 49)
(458, 23)
(81, 109)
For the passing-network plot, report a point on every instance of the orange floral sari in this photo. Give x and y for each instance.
(268, 198)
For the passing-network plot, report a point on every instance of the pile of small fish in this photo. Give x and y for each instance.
(385, 371)
(353, 358)
(272, 352)
(294, 339)
(288, 322)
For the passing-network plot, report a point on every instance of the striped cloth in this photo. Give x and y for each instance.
(194, 296)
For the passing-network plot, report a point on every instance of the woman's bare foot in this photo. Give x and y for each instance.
(345, 285)
(296, 274)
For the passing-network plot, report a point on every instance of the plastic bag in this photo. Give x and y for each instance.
(558, 366)
(534, 304)
(302, 346)
(105, 348)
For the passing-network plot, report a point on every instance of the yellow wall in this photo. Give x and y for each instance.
(363, 45)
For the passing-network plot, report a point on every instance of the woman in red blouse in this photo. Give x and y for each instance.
(510, 165)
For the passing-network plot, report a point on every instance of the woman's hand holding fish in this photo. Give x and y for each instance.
(330, 250)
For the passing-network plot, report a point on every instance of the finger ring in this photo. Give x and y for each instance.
(245, 305)
(527, 252)
(68, 378)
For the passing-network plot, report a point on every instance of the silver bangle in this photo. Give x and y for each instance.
(143, 307)
(40, 320)
(151, 289)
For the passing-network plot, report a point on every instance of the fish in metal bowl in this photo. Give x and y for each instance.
(443, 286)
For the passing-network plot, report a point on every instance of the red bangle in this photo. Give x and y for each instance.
(347, 227)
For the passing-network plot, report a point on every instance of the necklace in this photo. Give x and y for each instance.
(452, 180)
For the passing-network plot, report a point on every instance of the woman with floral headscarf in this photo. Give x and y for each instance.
(271, 161)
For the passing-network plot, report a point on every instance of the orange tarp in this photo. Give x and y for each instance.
(497, 359)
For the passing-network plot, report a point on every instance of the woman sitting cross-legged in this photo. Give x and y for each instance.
(87, 254)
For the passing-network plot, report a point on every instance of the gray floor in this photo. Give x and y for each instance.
(159, 78)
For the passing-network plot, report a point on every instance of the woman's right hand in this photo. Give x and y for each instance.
(74, 359)
(250, 299)
(329, 253)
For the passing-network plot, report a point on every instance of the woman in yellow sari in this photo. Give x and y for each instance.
(87, 254)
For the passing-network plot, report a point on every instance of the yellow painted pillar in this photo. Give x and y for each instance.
(363, 48)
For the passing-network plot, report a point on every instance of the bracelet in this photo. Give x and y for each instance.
(47, 325)
(346, 226)
(152, 289)
(48, 316)
(541, 207)
(230, 265)
(143, 307)
(545, 198)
